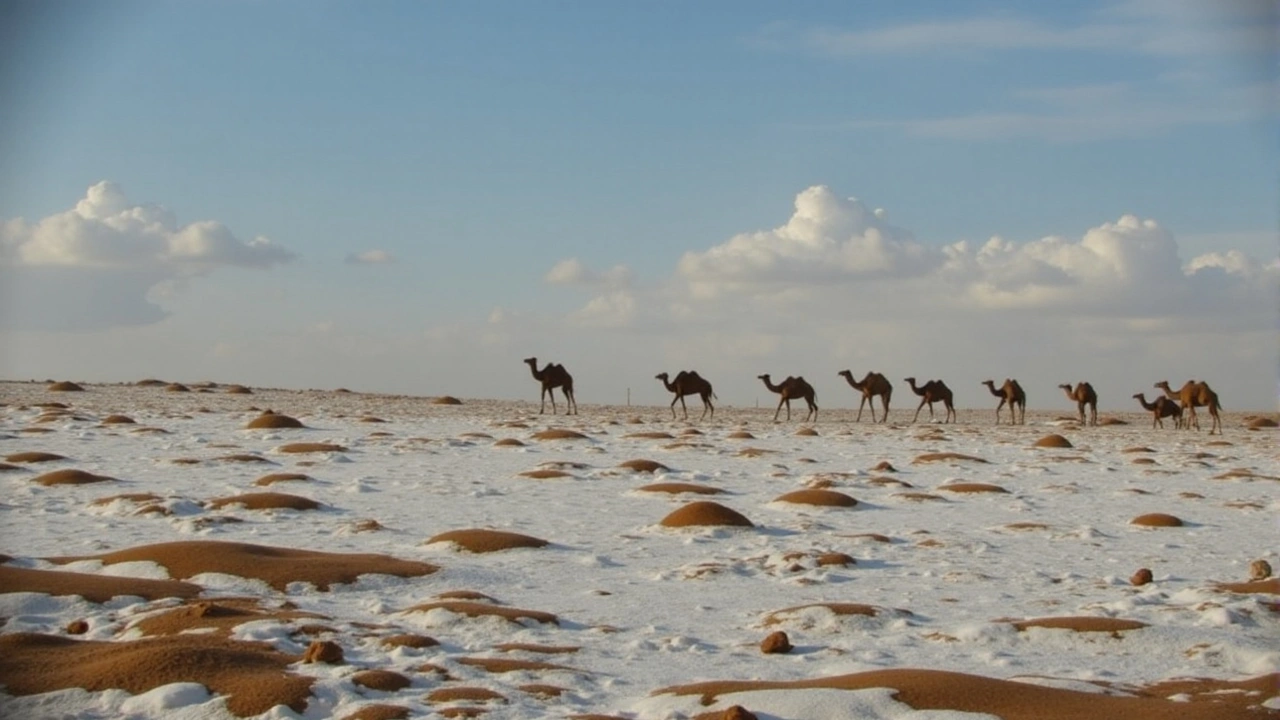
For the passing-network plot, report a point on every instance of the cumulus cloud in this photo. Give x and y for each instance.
(123, 255)
(370, 257)
(572, 271)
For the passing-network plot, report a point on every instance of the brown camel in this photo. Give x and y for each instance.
(1162, 408)
(1192, 395)
(1083, 394)
(872, 385)
(930, 393)
(1012, 394)
(689, 383)
(793, 387)
(554, 376)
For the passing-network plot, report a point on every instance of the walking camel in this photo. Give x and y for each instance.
(689, 383)
(872, 385)
(792, 387)
(1012, 394)
(930, 393)
(1192, 395)
(1162, 408)
(554, 376)
(1083, 394)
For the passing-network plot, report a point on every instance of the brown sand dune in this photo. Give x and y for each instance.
(1053, 441)
(539, 649)
(311, 447)
(253, 676)
(220, 616)
(6, 467)
(971, 487)
(273, 478)
(238, 390)
(1079, 624)
(151, 382)
(465, 694)
(542, 691)
(273, 565)
(1270, 586)
(136, 498)
(918, 496)
(1156, 520)
(506, 665)
(176, 387)
(379, 711)
(383, 680)
(559, 434)
(33, 457)
(704, 512)
(478, 540)
(824, 498)
(466, 595)
(446, 400)
(70, 476)
(675, 488)
(94, 588)
(408, 640)
(654, 435)
(273, 421)
(244, 458)
(545, 474)
(806, 432)
(265, 501)
(740, 435)
(1010, 700)
(644, 466)
(65, 386)
(479, 609)
(945, 457)
(509, 442)
(371, 419)
(118, 420)
(751, 452)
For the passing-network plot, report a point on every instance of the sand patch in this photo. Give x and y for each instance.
(972, 487)
(506, 665)
(824, 498)
(752, 452)
(176, 387)
(508, 442)
(65, 386)
(253, 676)
(118, 420)
(806, 432)
(311, 447)
(675, 488)
(1256, 587)
(464, 694)
(242, 458)
(946, 457)
(135, 498)
(273, 565)
(70, 476)
(918, 496)
(740, 435)
(6, 467)
(1011, 700)
(408, 640)
(379, 711)
(1079, 624)
(559, 434)
(94, 588)
(1157, 520)
(383, 680)
(1053, 441)
(539, 649)
(1024, 526)
(545, 474)
(778, 617)
(265, 501)
(1261, 422)
(221, 616)
(486, 541)
(273, 421)
(33, 457)
(704, 512)
(654, 435)
(644, 466)
(479, 609)
(273, 478)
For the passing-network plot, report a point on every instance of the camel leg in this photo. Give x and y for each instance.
(873, 410)
(673, 407)
(884, 399)
(706, 405)
(570, 404)
(684, 407)
(918, 408)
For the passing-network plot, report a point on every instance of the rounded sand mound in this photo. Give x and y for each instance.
(655, 435)
(1080, 624)
(311, 447)
(508, 442)
(253, 676)
(1053, 441)
(485, 541)
(384, 680)
(65, 386)
(176, 387)
(675, 488)
(644, 466)
(33, 457)
(94, 588)
(1156, 520)
(274, 478)
(704, 512)
(945, 457)
(118, 420)
(265, 501)
(273, 565)
(70, 476)
(238, 390)
(559, 434)
(446, 400)
(825, 498)
(1262, 422)
(273, 421)
(740, 435)
(839, 609)
(545, 474)
(972, 487)
(483, 609)
(379, 711)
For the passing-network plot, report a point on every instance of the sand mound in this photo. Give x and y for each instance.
(704, 512)
(1011, 700)
(151, 382)
(480, 609)
(65, 386)
(675, 488)
(1262, 422)
(219, 616)
(311, 447)
(408, 640)
(508, 442)
(118, 420)
(265, 501)
(545, 474)
(238, 390)
(840, 609)
(505, 665)
(972, 487)
(176, 387)
(945, 457)
(33, 457)
(644, 466)
(1270, 586)
(242, 458)
(559, 434)
(1080, 624)
(273, 421)
(379, 711)
(446, 400)
(273, 565)
(740, 435)
(94, 588)
(807, 432)
(70, 476)
(825, 498)
(1156, 520)
(485, 541)
(138, 498)
(540, 649)
(253, 676)
(6, 467)
(649, 436)
(469, 694)
(273, 478)
(1053, 441)
(384, 680)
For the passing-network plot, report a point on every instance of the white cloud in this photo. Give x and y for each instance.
(370, 257)
(110, 260)
(572, 271)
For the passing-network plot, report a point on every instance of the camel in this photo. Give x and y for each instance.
(689, 383)
(1192, 395)
(793, 387)
(1010, 393)
(554, 376)
(1162, 408)
(930, 393)
(1083, 394)
(872, 385)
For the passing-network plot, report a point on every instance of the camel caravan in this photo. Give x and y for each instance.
(1178, 404)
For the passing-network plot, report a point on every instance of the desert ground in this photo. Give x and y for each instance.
(217, 551)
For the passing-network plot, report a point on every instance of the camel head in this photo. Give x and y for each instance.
(1162, 385)
(1065, 386)
(1139, 396)
(661, 376)
(531, 361)
(847, 374)
(991, 383)
(764, 377)
(909, 380)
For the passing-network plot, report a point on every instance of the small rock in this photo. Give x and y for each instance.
(1259, 570)
(1142, 577)
(77, 627)
(777, 643)
(323, 651)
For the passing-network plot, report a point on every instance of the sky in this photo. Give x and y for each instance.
(413, 197)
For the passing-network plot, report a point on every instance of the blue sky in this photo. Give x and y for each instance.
(442, 189)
